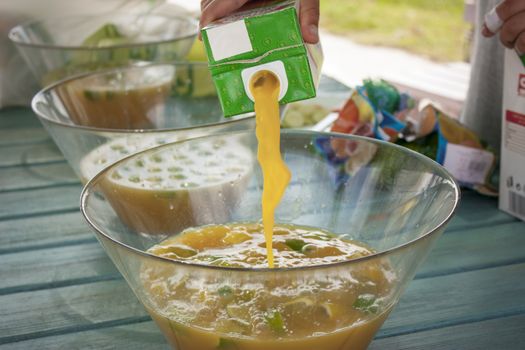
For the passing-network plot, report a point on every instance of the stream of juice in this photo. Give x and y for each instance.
(264, 87)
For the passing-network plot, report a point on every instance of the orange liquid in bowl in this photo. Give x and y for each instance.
(333, 310)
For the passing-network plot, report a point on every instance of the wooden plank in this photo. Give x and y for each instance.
(11, 137)
(427, 304)
(138, 336)
(66, 309)
(19, 125)
(46, 268)
(458, 298)
(44, 231)
(501, 333)
(37, 153)
(475, 249)
(67, 233)
(17, 118)
(40, 201)
(86, 261)
(476, 210)
(33, 176)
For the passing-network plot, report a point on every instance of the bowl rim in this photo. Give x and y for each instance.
(87, 192)
(39, 97)
(12, 33)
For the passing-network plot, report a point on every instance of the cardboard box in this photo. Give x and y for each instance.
(264, 37)
(512, 178)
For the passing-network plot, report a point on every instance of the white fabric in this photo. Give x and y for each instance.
(482, 110)
(492, 21)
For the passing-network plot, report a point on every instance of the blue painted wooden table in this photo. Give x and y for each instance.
(58, 290)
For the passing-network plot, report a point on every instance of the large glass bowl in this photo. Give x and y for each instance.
(56, 48)
(98, 118)
(394, 200)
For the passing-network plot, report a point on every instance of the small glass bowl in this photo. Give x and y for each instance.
(55, 49)
(99, 118)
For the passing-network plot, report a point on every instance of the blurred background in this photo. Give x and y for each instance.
(422, 46)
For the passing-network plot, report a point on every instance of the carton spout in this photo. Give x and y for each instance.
(276, 67)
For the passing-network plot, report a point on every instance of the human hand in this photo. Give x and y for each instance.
(308, 16)
(507, 18)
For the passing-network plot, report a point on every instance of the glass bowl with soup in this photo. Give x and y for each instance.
(57, 48)
(98, 118)
(182, 222)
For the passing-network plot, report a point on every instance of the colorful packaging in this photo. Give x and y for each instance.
(266, 35)
(378, 110)
(512, 177)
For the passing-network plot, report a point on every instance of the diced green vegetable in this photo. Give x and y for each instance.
(183, 251)
(189, 185)
(366, 303)
(238, 312)
(226, 344)
(274, 319)
(107, 31)
(208, 257)
(134, 178)
(177, 177)
(295, 244)
(154, 179)
(90, 95)
(110, 94)
(116, 175)
(156, 158)
(225, 291)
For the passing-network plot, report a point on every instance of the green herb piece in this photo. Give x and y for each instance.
(116, 175)
(134, 178)
(189, 185)
(205, 153)
(208, 258)
(117, 147)
(177, 177)
(221, 262)
(110, 94)
(156, 158)
(90, 95)
(139, 163)
(295, 244)
(274, 319)
(246, 295)
(366, 303)
(107, 31)
(225, 291)
(226, 344)
(174, 169)
(154, 179)
(183, 252)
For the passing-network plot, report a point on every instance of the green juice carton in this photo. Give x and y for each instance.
(266, 35)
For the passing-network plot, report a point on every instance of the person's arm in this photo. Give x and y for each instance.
(507, 19)
(309, 15)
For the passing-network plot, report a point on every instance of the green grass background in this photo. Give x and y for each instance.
(432, 28)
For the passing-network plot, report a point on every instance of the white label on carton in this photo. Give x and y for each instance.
(467, 164)
(229, 40)
(512, 177)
